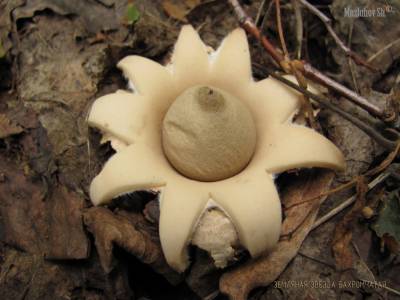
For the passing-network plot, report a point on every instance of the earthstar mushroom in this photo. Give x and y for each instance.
(210, 139)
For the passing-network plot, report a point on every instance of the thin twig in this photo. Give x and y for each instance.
(389, 289)
(316, 260)
(248, 25)
(299, 27)
(388, 46)
(312, 73)
(328, 25)
(212, 295)
(308, 71)
(266, 16)
(380, 168)
(348, 202)
(261, 11)
(350, 61)
(325, 103)
(280, 28)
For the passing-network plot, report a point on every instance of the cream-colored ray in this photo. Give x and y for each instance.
(293, 146)
(137, 167)
(190, 61)
(252, 203)
(181, 205)
(149, 78)
(231, 67)
(121, 114)
(271, 101)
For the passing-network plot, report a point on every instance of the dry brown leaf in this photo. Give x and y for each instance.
(179, 9)
(341, 245)
(128, 231)
(8, 128)
(39, 220)
(391, 243)
(66, 238)
(296, 204)
(203, 275)
(264, 270)
(341, 249)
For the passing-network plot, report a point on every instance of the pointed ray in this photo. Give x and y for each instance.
(190, 62)
(272, 100)
(232, 67)
(252, 203)
(121, 114)
(149, 78)
(137, 167)
(293, 146)
(181, 206)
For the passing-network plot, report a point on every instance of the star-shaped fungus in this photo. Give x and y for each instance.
(205, 134)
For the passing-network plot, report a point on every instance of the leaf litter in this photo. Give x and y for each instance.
(44, 160)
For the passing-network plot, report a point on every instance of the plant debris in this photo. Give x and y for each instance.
(387, 226)
(57, 56)
(179, 9)
(120, 229)
(41, 219)
(343, 232)
(8, 128)
(264, 270)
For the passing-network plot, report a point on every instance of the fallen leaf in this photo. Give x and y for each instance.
(343, 235)
(341, 248)
(203, 275)
(238, 282)
(179, 9)
(22, 208)
(66, 238)
(38, 220)
(27, 276)
(6, 22)
(387, 226)
(38, 151)
(128, 231)
(296, 203)
(89, 12)
(7, 127)
(152, 211)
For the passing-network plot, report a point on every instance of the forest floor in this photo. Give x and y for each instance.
(58, 56)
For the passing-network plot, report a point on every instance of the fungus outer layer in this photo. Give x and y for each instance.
(249, 199)
(215, 234)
